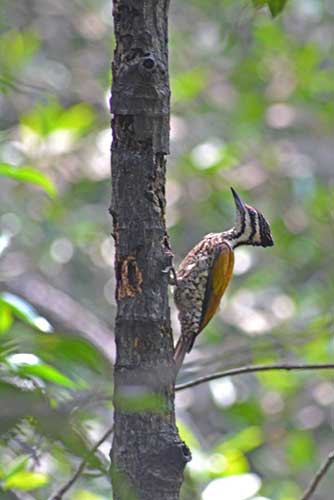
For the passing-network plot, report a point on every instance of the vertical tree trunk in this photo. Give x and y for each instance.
(147, 455)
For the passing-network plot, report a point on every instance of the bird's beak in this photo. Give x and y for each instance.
(238, 202)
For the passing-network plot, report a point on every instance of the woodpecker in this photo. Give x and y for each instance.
(206, 271)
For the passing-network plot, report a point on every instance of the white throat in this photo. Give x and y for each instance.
(244, 233)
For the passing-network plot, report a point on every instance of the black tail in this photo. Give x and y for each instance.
(183, 345)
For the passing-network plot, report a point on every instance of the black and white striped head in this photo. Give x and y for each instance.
(251, 227)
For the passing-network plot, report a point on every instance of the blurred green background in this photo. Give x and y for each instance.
(253, 108)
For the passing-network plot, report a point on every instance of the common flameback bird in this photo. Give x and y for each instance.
(205, 272)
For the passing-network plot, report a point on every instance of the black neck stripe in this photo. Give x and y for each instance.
(262, 228)
(243, 226)
(252, 216)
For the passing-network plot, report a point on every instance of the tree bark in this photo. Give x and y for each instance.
(147, 454)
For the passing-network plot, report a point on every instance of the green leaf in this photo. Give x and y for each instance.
(187, 435)
(26, 481)
(6, 318)
(271, 39)
(23, 310)
(68, 349)
(48, 373)
(236, 462)
(16, 47)
(246, 440)
(259, 3)
(30, 175)
(188, 85)
(286, 383)
(86, 495)
(276, 6)
(300, 449)
(319, 349)
(17, 465)
(45, 119)
(78, 117)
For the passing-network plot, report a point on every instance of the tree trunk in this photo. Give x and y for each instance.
(147, 455)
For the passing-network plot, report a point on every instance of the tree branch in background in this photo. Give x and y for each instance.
(252, 369)
(60, 307)
(61, 492)
(318, 477)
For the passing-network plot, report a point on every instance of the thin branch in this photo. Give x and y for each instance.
(318, 477)
(252, 369)
(59, 494)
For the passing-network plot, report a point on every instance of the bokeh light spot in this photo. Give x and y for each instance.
(62, 250)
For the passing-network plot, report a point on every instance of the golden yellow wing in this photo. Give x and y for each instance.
(218, 279)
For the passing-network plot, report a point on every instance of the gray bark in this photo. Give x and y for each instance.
(147, 455)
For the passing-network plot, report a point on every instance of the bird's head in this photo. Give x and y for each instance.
(251, 227)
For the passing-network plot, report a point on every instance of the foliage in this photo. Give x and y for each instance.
(252, 107)
(28, 174)
(48, 407)
(275, 6)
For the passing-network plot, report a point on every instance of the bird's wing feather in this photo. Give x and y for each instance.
(218, 279)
